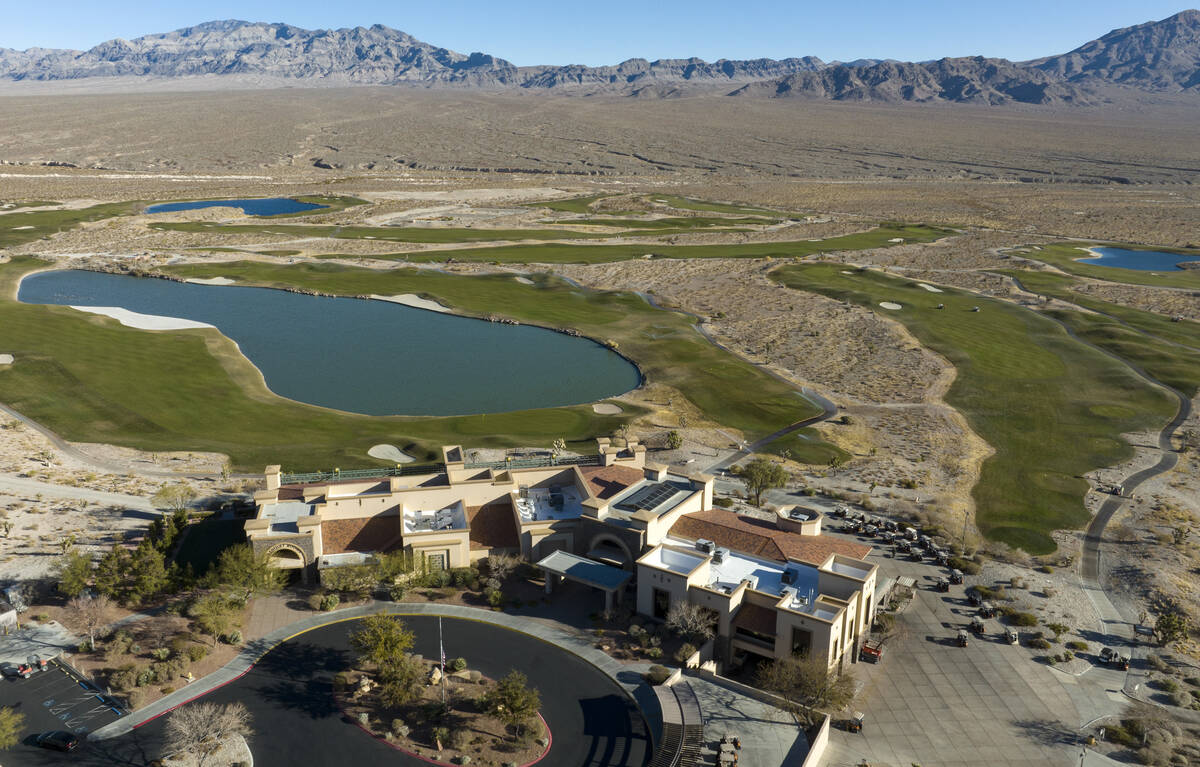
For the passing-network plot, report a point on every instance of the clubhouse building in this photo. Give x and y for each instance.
(612, 521)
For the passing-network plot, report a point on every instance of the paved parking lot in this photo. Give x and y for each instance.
(938, 705)
(53, 700)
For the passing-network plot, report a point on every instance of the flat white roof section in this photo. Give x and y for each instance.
(844, 568)
(670, 559)
(549, 503)
(734, 568)
(285, 515)
(585, 571)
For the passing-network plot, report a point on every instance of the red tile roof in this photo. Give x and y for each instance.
(607, 481)
(493, 526)
(760, 538)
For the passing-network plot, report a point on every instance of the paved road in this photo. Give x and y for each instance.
(297, 722)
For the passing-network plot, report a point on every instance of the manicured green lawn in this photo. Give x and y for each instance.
(93, 380)
(573, 205)
(686, 203)
(1170, 354)
(555, 253)
(27, 226)
(695, 222)
(1064, 255)
(1051, 407)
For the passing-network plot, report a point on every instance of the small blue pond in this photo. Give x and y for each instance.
(266, 206)
(1140, 260)
(371, 357)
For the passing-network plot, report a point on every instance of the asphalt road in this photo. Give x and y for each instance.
(296, 722)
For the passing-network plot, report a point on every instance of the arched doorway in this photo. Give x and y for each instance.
(290, 558)
(610, 550)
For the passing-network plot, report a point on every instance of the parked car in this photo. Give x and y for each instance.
(956, 576)
(58, 740)
(12, 670)
(1112, 657)
(962, 638)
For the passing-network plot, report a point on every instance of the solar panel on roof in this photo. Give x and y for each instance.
(649, 497)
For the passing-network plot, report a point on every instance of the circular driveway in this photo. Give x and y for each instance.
(296, 721)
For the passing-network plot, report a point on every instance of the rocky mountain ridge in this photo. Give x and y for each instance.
(1159, 57)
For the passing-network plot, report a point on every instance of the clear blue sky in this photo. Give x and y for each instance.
(609, 31)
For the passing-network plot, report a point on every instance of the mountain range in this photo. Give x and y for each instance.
(1157, 57)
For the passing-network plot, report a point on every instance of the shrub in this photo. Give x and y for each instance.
(1077, 646)
(441, 734)
(495, 598)
(1166, 685)
(330, 602)
(136, 699)
(160, 653)
(1018, 618)
(1181, 699)
(654, 653)
(1049, 592)
(1115, 733)
(1159, 663)
(1194, 681)
(460, 739)
(196, 652)
(1045, 569)
(657, 675)
(234, 637)
(314, 601)
(723, 503)
(124, 678)
(400, 729)
(1039, 643)
(460, 664)
(166, 690)
(1058, 628)
(683, 653)
(966, 565)
(1067, 656)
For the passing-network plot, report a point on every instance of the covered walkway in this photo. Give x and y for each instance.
(609, 579)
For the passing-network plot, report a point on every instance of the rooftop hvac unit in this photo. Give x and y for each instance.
(789, 577)
(523, 492)
(706, 546)
(719, 555)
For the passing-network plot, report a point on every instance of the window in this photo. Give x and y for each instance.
(436, 560)
(801, 641)
(662, 603)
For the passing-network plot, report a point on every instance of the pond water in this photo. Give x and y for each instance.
(1140, 260)
(266, 206)
(364, 356)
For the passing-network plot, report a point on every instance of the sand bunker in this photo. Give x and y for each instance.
(390, 453)
(930, 288)
(524, 280)
(606, 408)
(142, 321)
(890, 305)
(6, 359)
(211, 281)
(19, 228)
(415, 301)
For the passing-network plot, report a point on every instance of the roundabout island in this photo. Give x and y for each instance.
(298, 719)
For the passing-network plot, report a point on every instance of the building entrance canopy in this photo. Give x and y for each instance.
(589, 572)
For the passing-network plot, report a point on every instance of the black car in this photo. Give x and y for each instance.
(58, 740)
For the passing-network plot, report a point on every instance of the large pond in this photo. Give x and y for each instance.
(266, 206)
(367, 356)
(1140, 260)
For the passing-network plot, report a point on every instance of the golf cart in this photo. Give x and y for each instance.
(956, 576)
(962, 638)
(1012, 636)
(1111, 657)
(942, 585)
(987, 610)
(977, 626)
